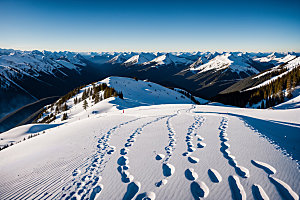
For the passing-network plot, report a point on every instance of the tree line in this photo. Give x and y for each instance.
(269, 95)
(97, 93)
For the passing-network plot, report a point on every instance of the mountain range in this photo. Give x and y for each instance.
(28, 76)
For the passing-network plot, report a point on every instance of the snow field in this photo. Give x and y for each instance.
(114, 156)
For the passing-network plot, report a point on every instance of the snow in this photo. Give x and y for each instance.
(93, 151)
(140, 59)
(274, 58)
(17, 64)
(293, 102)
(289, 66)
(236, 62)
(167, 59)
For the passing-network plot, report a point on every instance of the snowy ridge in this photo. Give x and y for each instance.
(136, 93)
(148, 151)
(16, 64)
(147, 144)
(275, 58)
(168, 59)
(289, 66)
(236, 62)
(140, 59)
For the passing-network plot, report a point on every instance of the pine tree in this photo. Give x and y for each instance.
(120, 94)
(65, 107)
(64, 117)
(56, 109)
(85, 105)
(97, 98)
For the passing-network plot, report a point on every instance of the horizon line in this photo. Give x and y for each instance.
(146, 51)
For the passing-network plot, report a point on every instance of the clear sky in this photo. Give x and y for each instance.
(151, 25)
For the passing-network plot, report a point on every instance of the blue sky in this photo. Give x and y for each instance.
(152, 25)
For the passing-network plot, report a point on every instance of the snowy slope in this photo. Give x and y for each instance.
(136, 93)
(236, 62)
(140, 59)
(169, 59)
(292, 103)
(121, 58)
(163, 151)
(16, 64)
(289, 66)
(203, 58)
(274, 58)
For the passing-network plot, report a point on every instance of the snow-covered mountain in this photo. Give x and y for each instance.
(26, 76)
(17, 64)
(152, 144)
(235, 62)
(140, 59)
(169, 59)
(275, 58)
(266, 89)
(135, 93)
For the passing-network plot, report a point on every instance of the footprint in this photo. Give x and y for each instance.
(224, 139)
(96, 192)
(199, 138)
(191, 149)
(122, 168)
(96, 180)
(225, 144)
(123, 160)
(124, 151)
(237, 190)
(161, 183)
(259, 193)
(186, 153)
(193, 159)
(126, 177)
(284, 189)
(242, 171)
(146, 196)
(76, 172)
(190, 174)
(201, 145)
(214, 176)
(199, 190)
(266, 167)
(132, 189)
(168, 169)
(159, 156)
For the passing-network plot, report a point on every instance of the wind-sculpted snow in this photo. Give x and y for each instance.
(284, 189)
(268, 168)
(237, 190)
(86, 182)
(214, 176)
(149, 152)
(189, 139)
(241, 171)
(259, 193)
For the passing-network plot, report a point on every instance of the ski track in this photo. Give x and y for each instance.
(86, 184)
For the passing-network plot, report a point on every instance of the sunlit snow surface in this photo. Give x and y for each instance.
(163, 151)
